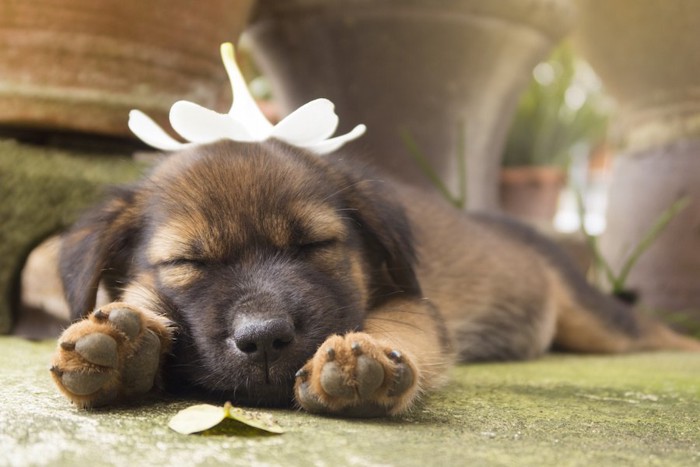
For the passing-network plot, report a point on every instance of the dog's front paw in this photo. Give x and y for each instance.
(355, 375)
(111, 355)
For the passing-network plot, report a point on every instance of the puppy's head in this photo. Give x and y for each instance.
(258, 252)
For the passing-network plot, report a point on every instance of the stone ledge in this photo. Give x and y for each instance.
(561, 410)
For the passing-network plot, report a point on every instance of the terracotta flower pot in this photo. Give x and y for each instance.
(82, 65)
(419, 66)
(531, 193)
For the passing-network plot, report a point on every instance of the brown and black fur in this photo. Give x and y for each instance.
(269, 275)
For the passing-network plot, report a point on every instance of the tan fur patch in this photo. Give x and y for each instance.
(319, 221)
(357, 272)
(173, 241)
(180, 275)
(277, 228)
(579, 330)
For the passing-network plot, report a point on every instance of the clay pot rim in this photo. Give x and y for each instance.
(554, 18)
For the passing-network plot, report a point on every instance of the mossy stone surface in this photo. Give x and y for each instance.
(562, 410)
(42, 191)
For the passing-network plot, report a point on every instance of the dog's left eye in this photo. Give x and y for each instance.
(316, 245)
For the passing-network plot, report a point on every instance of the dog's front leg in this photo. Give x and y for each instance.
(402, 352)
(113, 354)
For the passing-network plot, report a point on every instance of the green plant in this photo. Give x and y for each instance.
(560, 108)
(460, 199)
(618, 281)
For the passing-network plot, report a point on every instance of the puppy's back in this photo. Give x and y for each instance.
(509, 293)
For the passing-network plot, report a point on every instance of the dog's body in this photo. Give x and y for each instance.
(261, 273)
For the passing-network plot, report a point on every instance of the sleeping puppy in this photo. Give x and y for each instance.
(263, 274)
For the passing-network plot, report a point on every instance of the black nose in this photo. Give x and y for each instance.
(264, 340)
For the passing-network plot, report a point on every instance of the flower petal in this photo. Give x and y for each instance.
(311, 123)
(150, 133)
(308, 127)
(244, 110)
(330, 145)
(201, 125)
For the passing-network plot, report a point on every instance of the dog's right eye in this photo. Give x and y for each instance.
(309, 248)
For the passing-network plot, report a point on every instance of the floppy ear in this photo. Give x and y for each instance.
(97, 246)
(387, 230)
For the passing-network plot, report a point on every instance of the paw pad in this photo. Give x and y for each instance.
(333, 381)
(127, 321)
(108, 355)
(369, 375)
(99, 349)
(83, 384)
(356, 376)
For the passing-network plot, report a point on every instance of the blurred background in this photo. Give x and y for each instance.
(580, 117)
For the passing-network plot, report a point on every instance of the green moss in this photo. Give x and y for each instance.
(42, 191)
(562, 410)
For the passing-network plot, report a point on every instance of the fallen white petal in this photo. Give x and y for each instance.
(150, 133)
(197, 418)
(309, 124)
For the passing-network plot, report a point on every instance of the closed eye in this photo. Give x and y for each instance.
(313, 246)
(320, 243)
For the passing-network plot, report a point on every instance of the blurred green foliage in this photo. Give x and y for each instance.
(562, 106)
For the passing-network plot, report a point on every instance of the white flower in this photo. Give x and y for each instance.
(310, 126)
